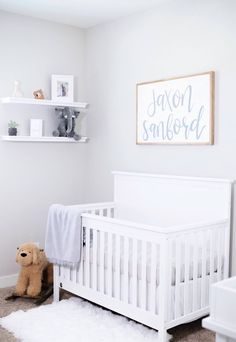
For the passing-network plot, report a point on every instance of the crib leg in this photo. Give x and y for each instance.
(163, 336)
(56, 293)
(56, 288)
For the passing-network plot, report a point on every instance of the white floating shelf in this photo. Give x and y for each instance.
(21, 138)
(24, 100)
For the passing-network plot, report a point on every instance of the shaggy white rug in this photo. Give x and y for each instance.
(74, 320)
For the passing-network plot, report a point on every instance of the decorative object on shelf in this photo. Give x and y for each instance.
(12, 127)
(62, 88)
(69, 135)
(176, 111)
(66, 127)
(36, 128)
(17, 92)
(38, 94)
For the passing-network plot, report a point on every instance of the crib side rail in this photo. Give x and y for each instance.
(101, 208)
(181, 266)
(109, 224)
(181, 229)
(127, 259)
(199, 258)
(121, 260)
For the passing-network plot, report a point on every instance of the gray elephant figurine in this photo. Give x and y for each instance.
(66, 127)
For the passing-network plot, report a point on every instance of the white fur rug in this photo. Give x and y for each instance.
(74, 320)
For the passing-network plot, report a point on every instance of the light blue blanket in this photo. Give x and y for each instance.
(63, 243)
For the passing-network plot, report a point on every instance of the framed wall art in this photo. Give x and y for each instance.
(62, 88)
(176, 111)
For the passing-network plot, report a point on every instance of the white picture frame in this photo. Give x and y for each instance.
(176, 111)
(62, 88)
(36, 128)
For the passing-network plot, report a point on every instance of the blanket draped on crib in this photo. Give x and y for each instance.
(63, 242)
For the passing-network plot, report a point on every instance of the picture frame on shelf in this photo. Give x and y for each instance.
(62, 88)
(36, 128)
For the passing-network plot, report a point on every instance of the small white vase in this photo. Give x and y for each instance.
(17, 91)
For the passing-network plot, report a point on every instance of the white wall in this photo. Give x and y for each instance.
(34, 175)
(178, 38)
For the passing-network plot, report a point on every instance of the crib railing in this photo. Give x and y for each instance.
(120, 253)
(199, 258)
(154, 276)
(105, 209)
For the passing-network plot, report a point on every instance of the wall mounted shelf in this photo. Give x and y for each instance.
(29, 101)
(21, 138)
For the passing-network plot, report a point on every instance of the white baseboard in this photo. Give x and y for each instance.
(8, 281)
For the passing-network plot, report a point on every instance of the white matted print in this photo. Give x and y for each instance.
(62, 88)
(176, 111)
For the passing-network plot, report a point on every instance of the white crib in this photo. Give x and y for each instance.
(152, 254)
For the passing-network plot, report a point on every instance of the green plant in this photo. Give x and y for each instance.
(12, 124)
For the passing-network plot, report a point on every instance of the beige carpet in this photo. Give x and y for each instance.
(191, 332)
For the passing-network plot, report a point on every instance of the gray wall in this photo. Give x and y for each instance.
(34, 175)
(178, 38)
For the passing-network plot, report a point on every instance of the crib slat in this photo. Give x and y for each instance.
(153, 274)
(169, 274)
(134, 272)
(95, 262)
(81, 268)
(102, 261)
(109, 265)
(203, 269)
(195, 268)
(56, 275)
(177, 277)
(144, 275)
(126, 269)
(87, 258)
(109, 212)
(212, 240)
(81, 265)
(117, 268)
(226, 238)
(219, 254)
(186, 273)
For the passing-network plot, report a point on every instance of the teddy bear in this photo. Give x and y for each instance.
(38, 94)
(34, 265)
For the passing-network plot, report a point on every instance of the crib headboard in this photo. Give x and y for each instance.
(166, 200)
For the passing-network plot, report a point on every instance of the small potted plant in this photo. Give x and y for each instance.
(12, 127)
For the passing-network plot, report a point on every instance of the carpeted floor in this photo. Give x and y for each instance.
(191, 332)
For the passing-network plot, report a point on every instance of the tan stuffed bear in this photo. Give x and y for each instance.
(38, 94)
(33, 262)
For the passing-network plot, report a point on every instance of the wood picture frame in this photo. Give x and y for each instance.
(176, 110)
